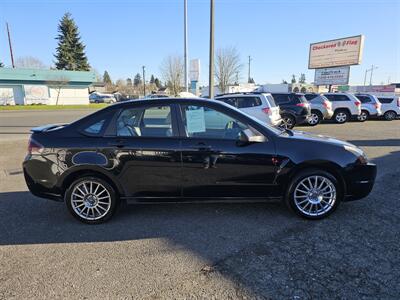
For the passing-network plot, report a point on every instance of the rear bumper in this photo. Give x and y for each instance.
(328, 114)
(360, 180)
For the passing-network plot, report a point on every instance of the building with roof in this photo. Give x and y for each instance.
(34, 86)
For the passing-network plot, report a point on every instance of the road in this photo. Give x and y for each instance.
(201, 251)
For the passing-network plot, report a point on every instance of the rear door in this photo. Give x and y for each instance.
(214, 164)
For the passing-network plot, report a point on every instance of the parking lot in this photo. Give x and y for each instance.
(201, 251)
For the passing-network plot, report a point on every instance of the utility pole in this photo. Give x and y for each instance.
(185, 46)
(211, 67)
(9, 43)
(248, 79)
(372, 70)
(144, 82)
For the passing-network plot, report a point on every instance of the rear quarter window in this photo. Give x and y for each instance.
(246, 102)
(385, 100)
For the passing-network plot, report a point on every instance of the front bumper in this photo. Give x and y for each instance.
(360, 180)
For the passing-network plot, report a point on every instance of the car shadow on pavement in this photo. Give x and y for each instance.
(263, 248)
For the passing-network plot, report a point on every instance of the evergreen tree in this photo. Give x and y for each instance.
(293, 78)
(107, 78)
(152, 79)
(137, 80)
(284, 81)
(251, 80)
(157, 82)
(129, 82)
(1, 65)
(302, 78)
(70, 52)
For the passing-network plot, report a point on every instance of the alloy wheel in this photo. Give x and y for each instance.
(390, 115)
(90, 200)
(287, 123)
(313, 119)
(362, 117)
(315, 195)
(341, 117)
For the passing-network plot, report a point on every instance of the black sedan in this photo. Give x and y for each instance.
(185, 150)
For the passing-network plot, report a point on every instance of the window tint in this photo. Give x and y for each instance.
(244, 102)
(145, 122)
(386, 100)
(310, 97)
(271, 100)
(298, 98)
(205, 122)
(364, 99)
(281, 98)
(230, 101)
(337, 98)
(95, 128)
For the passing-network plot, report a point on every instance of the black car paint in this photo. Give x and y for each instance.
(291, 107)
(177, 168)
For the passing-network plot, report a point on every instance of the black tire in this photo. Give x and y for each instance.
(364, 116)
(341, 116)
(288, 121)
(77, 212)
(294, 204)
(390, 115)
(315, 118)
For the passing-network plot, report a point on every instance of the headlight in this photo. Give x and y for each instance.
(362, 158)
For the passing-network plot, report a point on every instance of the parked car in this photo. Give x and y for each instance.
(173, 150)
(390, 107)
(261, 106)
(345, 106)
(294, 108)
(370, 107)
(321, 108)
(101, 98)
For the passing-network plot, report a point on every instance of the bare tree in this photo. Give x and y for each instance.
(172, 72)
(227, 67)
(30, 62)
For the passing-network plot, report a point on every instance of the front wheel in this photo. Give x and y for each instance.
(363, 116)
(313, 194)
(341, 116)
(91, 200)
(315, 118)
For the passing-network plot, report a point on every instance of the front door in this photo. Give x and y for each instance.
(146, 150)
(215, 163)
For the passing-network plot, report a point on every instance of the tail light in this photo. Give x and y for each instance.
(357, 103)
(378, 105)
(301, 104)
(266, 110)
(34, 147)
(327, 104)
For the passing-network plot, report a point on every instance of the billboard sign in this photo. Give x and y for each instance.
(332, 76)
(36, 94)
(194, 70)
(336, 53)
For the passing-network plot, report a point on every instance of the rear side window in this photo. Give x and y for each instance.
(271, 100)
(337, 98)
(281, 98)
(245, 102)
(297, 98)
(310, 97)
(230, 101)
(386, 100)
(364, 99)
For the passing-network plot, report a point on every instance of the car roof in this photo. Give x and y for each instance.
(241, 94)
(165, 100)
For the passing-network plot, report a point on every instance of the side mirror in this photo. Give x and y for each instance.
(248, 137)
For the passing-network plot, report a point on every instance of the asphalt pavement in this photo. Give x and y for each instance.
(192, 251)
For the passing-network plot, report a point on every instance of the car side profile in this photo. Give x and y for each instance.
(294, 108)
(370, 107)
(345, 106)
(321, 108)
(390, 107)
(259, 105)
(185, 150)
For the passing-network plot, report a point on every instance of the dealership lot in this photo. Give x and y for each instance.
(193, 250)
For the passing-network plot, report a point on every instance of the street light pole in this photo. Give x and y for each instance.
(185, 46)
(144, 82)
(211, 67)
(372, 70)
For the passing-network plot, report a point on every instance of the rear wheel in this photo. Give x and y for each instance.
(91, 200)
(314, 194)
(363, 116)
(341, 116)
(288, 121)
(390, 115)
(315, 118)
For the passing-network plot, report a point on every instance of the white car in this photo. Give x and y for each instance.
(345, 106)
(370, 106)
(259, 105)
(390, 107)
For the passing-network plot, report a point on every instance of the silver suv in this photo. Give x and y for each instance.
(321, 108)
(390, 107)
(259, 105)
(345, 106)
(370, 106)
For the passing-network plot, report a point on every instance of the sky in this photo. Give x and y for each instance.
(121, 36)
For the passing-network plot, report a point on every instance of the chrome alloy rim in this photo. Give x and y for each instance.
(90, 200)
(287, 123)
(313, 119)
(341, 117)
(362, 116)
(315, 195)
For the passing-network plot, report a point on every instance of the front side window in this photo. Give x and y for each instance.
(205, 122)
(145, 122)
(364, 99)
